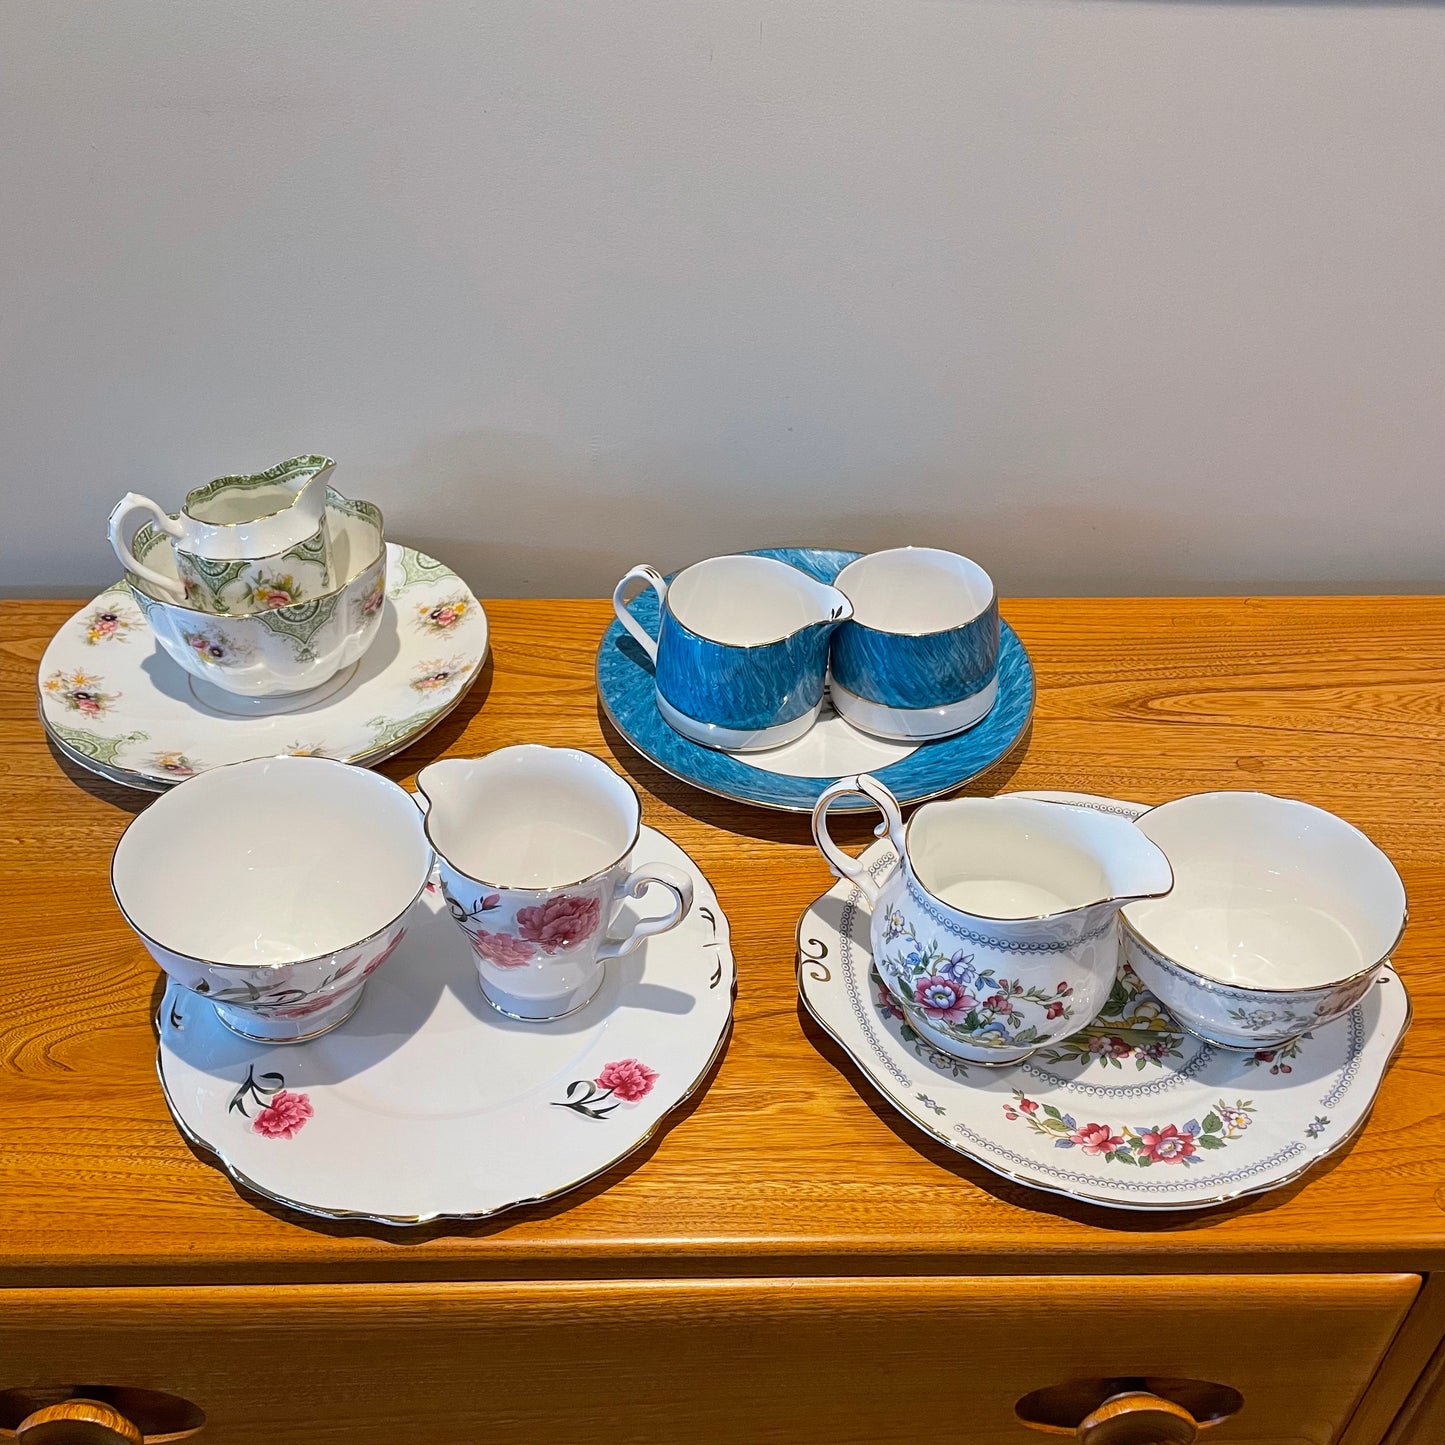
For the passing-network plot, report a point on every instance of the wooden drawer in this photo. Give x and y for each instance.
(832, 1360)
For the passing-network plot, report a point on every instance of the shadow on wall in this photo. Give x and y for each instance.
(496, 506)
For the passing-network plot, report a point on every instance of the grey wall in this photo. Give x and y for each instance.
(1114, 296)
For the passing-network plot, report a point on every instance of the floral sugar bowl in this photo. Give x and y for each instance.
(995, 924)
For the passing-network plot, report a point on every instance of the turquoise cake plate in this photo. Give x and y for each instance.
(790, 778)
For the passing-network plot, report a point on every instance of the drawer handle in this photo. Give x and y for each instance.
(1138, 1418)
(78, 1422)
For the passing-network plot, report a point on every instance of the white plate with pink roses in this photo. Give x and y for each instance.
(429, 1104)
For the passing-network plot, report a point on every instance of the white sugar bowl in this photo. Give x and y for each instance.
(1281, 917)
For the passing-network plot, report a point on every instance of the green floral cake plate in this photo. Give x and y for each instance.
(1131, 1112)
(113, 702)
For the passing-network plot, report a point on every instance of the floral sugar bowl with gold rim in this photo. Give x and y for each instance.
(1282, 917)
(274, 888)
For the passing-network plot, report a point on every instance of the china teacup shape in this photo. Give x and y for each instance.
(919, 658)
(242, 544)
(995, 924)
(535, 852)
(275, 888)
(741, 654)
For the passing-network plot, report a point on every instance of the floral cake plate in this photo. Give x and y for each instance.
(114, 703)
(429, 1104)
(791, 777)
(1131, 1112)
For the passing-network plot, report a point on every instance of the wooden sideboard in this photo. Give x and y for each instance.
(788, 1260)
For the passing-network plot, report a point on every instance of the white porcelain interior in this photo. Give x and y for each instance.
(915, 590)
(237, 520)
(530, 816)
(748, 601)
(1017, 858)
(1269, 893)
(271, 861)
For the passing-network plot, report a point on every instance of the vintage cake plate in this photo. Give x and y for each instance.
(114, 703)
(791, 777)
(1130, 1112)
(429, 1104)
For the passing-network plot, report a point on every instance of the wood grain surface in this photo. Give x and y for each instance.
(765, 1362)
(788, 1163)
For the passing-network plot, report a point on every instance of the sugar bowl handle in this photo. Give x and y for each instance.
(1138, 1418)
(78, 1422)
(843, 864)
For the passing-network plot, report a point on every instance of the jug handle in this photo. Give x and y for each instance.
(637, 883)
(130, 503)
(658, 583)
(844, 865)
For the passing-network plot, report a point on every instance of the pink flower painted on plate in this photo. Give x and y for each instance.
(942, 998)
(628, 1079)
(107, 624)
(1167, 1145)
(561, 923)
(283, 1115)
(441, 616)
(1097, 1139)
(501, 949)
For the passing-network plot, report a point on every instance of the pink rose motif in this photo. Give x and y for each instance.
(311, 1006)
(501, 948)
(943, 999)
(273, 597)
(283, 1115)
(1053, 1010)
(1097, 1139)
(382, 957)
(1167, 1145)
(560, 923)
(1029, 1106)
(628, 1079)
